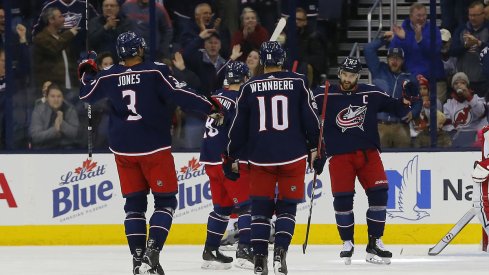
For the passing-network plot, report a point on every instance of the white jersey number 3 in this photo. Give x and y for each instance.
(132, 105)
(280, 120)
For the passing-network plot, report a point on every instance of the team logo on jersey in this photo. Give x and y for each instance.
(72, 19)
(178, 84)
(409, 192)
(351, 117)
(462, 117)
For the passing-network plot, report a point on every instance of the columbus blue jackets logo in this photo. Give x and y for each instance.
(72, 19)
(351, 117)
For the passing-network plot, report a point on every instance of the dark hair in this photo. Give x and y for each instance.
(48, 14)
(101, 57)
(53, 86)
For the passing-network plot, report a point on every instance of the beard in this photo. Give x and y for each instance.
(347, 85)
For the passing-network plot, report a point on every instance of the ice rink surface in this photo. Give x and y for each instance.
(186, 260)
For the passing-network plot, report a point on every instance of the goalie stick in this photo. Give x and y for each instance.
(278, 29)
(435, 250)
(323, 117)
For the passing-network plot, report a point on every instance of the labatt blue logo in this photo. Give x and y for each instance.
(71, 197)
(194, 194)
(409, 192)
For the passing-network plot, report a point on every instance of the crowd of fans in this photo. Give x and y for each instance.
(197, 37)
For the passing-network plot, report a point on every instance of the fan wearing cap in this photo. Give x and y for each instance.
(390, 76)
(467, 43)
(465, 112)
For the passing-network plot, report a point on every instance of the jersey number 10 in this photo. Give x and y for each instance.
(279, 105)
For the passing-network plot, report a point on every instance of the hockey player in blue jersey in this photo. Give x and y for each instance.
(139, 136)
(226, 194)
(276, 118)
(352, 141)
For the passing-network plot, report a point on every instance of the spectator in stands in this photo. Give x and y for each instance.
(467, 43)
(453, 13)
(253, 63)
(251, 34)
(54, 124)
(415, 39)
(203, 19)
(449, 62)
(104, 60)
(267, 10)
(311, 48)
(207, 63)
(52, 56)
(390, 77)
(421, 125)
(137, 11)
(74, 13)
(465, 112)
(104, 29)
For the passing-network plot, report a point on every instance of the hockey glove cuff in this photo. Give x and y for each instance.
(410, 91)
(480, 173)
(216, 111)
(87, 64)
(230, 167)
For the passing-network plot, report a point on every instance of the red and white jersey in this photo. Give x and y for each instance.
(466, 115)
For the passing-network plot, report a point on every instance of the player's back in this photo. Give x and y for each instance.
(140, 118)
(280, 111)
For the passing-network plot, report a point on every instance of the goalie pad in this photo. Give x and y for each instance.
(480, 173)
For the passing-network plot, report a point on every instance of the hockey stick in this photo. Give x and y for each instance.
(320, 143)
(435, 250)
(278, 29)
(89, 106)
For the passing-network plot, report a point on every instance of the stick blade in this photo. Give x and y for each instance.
(278, 29)
(304, 246)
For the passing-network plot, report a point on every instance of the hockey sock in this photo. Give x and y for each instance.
(376, 212)
(261, 213)
(135, 227)
(345, 220)
(285, 224)
(244, 226)
(135, 222)
(159, 226)
(216, 226)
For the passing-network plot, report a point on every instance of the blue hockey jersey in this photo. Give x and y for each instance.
(351, 117)
(139, 95)
(276, 115)
(216, 137)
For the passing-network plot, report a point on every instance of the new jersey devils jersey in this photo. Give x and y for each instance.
(216, 137)
(275, 115)
(351, 117)
(139, 96)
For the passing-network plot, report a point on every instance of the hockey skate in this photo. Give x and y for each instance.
(214, 259)
(347, 252)
(261, 264)
(376, 252)
(230, 239)
(279, 263)
(150, 264)
(244, 257)
(136, 261)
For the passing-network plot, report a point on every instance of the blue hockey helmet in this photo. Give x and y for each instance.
(272, 54)
(351, 64)
(128, 44)
(236, 72)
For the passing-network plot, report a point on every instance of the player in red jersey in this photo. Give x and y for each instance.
(139, 136)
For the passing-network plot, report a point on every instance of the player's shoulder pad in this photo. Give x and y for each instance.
(162, 67)
(366, 87)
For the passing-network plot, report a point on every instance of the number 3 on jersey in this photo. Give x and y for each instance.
(279, 112)
(133, 114)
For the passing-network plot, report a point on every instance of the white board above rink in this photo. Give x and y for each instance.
(55, 189)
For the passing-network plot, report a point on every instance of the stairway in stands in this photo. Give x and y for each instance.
(358, 26)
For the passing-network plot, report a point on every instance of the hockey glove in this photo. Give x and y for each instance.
(410, 91)
(230, 167)
(216, 111)
(480, 173)
(318, 161)
(87, 64)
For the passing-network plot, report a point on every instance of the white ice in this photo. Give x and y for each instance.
(184, 260)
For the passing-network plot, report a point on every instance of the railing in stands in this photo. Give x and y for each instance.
(377, 4)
